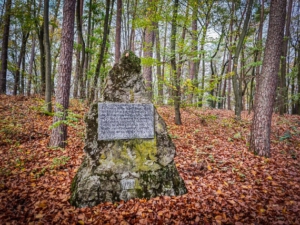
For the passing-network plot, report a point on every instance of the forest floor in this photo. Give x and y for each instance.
(226, 183)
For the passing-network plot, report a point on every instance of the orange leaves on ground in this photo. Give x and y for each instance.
(226, 183)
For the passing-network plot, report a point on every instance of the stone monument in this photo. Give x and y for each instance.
(128, 151)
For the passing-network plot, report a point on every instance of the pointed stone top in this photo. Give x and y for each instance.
(125, 82)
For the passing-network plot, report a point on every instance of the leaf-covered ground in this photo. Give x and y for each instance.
(226, 183)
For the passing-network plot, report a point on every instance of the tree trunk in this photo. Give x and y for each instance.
(257, 56)
(297, 104)
(148, 51)
(118, 32)
(194, 48)
(173, 64)
(42, 60)
(23, 66)
(266, 90)
(30, 77)
(160, 76)
(21, 56)
(4, 49)
(236, 80)
(132, 32)
(48, 105)
(83, 88)
(80, 59)
(59, 132)
(102, 51)
(283, 90)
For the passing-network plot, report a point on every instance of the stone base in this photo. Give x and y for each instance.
(90, 188)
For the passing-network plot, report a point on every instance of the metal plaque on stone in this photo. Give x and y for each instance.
(125, 121)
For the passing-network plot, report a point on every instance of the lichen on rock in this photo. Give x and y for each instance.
(115, 170)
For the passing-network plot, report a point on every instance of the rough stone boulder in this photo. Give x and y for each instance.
(115, 170)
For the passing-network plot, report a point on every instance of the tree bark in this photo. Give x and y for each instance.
(283, 90)
(266, 90)
(160, 76)
(118, 32)
(194, 48)
(83, 88)
(148, 50)
(59, 133)
(48, 105)
(21, 56)
(4, 55)
(30, 77)
(176, 94)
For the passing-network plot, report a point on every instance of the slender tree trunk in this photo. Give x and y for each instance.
(23, 66)
(160, 75)
(164, 50)
(173, 64)
(222, 82)
(236, 80)
(132, 32)
(42, 60)
(102, 51)
(266, 90)
(283, 90)
(59, 133)
(83, 87)
(297, 104)
(81, 53)
(257, 57)
(30, 77)
(56, 10)
(148, 51)
(118, 32)
(21, 56)
(48, 106)
(4, 49)
(194, 48)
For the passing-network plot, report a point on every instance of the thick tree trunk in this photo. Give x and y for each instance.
(4, 49)
(48, 92)
(118, 32)
(266, 90)
(59, 132)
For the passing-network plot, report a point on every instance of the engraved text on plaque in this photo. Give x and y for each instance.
(125, 121)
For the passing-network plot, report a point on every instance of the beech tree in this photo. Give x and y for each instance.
(59, 132)
(267, 81)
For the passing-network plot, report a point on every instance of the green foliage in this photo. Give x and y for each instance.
(59, 161)
(148, 61)
(69, 120)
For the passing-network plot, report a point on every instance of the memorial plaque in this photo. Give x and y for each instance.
(127, 184)
(125, 121)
